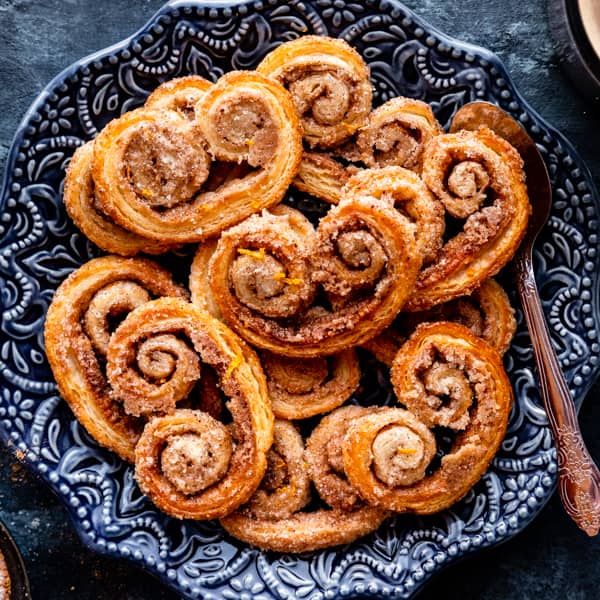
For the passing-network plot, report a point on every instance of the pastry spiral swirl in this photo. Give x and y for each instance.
(479, 178)
(364, 255)
(155, 170)
(395, 134)
(187, 462)
(263, 266)
(277, 517)
(325, 461)
(83, 207)
(366, 251)
(408, 194)
(386, 451)
(78, 327)
(329, 83)
(303, 387)
(446, 377)
(285, 487)
(486, 312)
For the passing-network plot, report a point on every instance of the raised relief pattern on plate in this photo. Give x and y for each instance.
(39, 247)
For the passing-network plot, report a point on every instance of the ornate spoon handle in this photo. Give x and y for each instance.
(578, 476)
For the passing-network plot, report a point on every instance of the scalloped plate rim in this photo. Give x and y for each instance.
(477, 51)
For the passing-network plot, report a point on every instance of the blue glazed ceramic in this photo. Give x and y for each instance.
(39, 246)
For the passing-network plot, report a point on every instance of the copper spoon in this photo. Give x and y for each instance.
(578, 476)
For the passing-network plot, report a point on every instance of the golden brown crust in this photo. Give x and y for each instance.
(250, 435)
(209, 163)
(486, 312)
(201, 294)
(405, 191)
(396, 133)
(285, 487)
(385, 452)
(446, 359)
(304, 387)
(277, 517)
(180, 95)
(330, 85)
(263, 265)
(385, 345)
(5, 582)
(76, 337)
(486, 187)
(364, 255)
(499, 323)
(306, 531)
(324, 457)
(322, 176)
(82, 206)
(175, 201)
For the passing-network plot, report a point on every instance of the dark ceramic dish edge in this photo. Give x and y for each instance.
(481, 52)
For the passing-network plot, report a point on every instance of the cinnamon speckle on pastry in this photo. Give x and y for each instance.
(244, 404)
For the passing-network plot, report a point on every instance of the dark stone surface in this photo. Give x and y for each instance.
(551, 559)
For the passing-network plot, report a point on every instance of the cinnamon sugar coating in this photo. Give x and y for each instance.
(76, 333)
(155, 168)
(363, 254)
(471, 375)
(5, 581)
(225, 464)
(493, 227)
(486, 312)
(325, 461)
(329, 83)
(278, 516)
(396, 134)
(420, 221)
(179, 95)
(303, 387)
(83, 207)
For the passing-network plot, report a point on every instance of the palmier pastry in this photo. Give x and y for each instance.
(325, 461)
(263, 275)
(180, 95)
(446, 377)
(303, 387)
(395, 134)
(155, 170)
(83, 207)
(408, 194)
(77, 332)
(486, 312)
(200, 292)
(329, 83)
(390, 449)
(187, 462)
(285, 487)
(321, 176)
(277, 517)
(479, 178)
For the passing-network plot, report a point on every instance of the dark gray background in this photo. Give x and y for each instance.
(551, 559)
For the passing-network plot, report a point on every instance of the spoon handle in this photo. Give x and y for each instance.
(578, 476)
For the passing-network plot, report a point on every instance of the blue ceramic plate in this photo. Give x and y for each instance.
(40, 247)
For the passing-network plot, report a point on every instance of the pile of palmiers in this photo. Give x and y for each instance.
(233, 395)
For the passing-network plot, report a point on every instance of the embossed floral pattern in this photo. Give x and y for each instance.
(340, 11)
(245, 588)
(39, 247)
